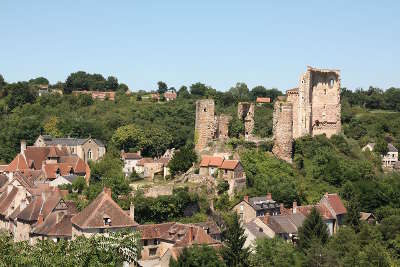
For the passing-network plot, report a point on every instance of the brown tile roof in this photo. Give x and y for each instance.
(263, 100)
(3, 180)
(229, 164)
(8, 199)
(17, 164)
(128, 155)
(43, 204)
(336, 203)
(144, 160)
(55, 226)
(364, 216)
(152, 231)
(93, 215)
(210, 227)
(211, 161)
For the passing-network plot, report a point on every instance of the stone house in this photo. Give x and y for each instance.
(101, 216)
(330, 208)
(170, 96)
(263, 101)
(100, 95)
(390, 159)
(139, 167)
(253, 207)
(85, 148)
(130, 161)
(209, 165)
(161, 242)
(51, 161)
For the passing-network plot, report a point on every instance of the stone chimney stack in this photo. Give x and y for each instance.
(139, 152)
(282, 208)
(132, 211)
(269, 196)
(190, 234)
(40, 218)
(23, 146)
(107, 191)
(294, 207)
(246, 198)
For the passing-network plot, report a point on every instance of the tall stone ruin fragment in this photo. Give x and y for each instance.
(315, 108)
(246, 114)
(208, 126)
(283, 129)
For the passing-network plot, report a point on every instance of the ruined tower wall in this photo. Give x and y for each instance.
(223, 126)
(205, 123)
(293, 97)
(283, 130)
(246, 114)
(325, 102)
(304, 105)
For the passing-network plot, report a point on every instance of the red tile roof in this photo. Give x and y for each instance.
(93, 215)
(211, 161)
(263, 100)
(170, 95)
(18, 163)
(229, 164)
(144, 160)
(336, 203)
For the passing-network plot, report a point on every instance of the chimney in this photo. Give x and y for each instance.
(294, 207)
(326, 194)
(139, 152)
(246, 198)
(281, 209)
(107, 191)
(40, 218)
(23, 204)
(9, 188)
(132, 211)
(266, 219)
(269, 196)
(23, 146)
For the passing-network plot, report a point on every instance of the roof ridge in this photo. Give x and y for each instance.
(96, 208)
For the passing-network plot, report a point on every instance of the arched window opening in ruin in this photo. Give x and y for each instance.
(330, 83)
(317, 122)
(205, 109)
(324, 106)
(324, 91)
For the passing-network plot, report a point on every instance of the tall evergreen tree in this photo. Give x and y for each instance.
(198, 256)
(233, 252)
(353, 213)
(313, 229)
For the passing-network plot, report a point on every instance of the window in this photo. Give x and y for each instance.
(89, 154)
(152, 251)
(324, 91)
(205, 109)
(156, 242)
(145, 242)
(330, 83)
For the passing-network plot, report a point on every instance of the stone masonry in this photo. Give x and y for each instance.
(315, 107)
(283, 129)
(205, 123)
(246, 114)
(223, 126)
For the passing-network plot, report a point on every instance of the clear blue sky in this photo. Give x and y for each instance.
(215, 42)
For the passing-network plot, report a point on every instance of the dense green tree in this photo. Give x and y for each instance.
(183, 92)
(182, 160)
(236, 127)
(353, 213)
(313, 230)
(240, 92)
(274, 252)
(198, 89)
(197, 256)
(39, 81)
(19, 94)
(162, 87)
(381, 147)
(128, 137)
(234, 253)
(111, 83)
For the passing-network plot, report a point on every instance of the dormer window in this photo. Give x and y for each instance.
(107, 220)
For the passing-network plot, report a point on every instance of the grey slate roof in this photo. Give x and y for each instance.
(262, 203)
(253, 228)
(67, 141)
(286, 224)
(392, 148)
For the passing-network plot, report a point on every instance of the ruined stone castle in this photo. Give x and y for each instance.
(209, 127)
(311, 109)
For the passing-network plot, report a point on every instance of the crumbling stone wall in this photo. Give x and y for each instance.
(315, 108)
(246, 114)
(283, 129)
(205, 123)
(223, 126)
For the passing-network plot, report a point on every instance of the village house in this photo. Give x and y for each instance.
(170, 96)
(100, 95)
(209, 165)
(102, 216)
(330, 207)
(148, 167)
(367, 217)
(161, 242)
(390, 159)
(262, 101)
(50, 160)
(250, 208)
(85, 148)
(130, 161)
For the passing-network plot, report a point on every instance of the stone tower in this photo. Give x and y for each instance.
(318, 105)
(205, 123)
(223, 126)
(246, 114)
(283, 129)
(315, 109)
